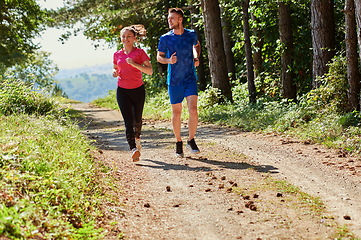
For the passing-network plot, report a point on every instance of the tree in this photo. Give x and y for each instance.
(228, 44)
(285, 29)
(37, 71)
(358, 21)
(202, 68)
(19, 24)
(216, 55)
(248, 49)
(323, 36)
(353, 73)
(258, 45)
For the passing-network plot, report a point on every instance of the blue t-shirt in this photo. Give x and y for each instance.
(183, 71)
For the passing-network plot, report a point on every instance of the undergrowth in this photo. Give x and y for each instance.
(50, 183)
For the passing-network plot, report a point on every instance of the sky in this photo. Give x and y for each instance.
(77, 51)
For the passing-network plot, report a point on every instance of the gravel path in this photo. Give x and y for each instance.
(227, 191)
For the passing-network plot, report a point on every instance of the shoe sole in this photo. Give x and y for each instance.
(193, 151)
(135, 156)
(179, 155)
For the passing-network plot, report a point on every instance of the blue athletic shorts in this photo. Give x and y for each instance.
(178, 93)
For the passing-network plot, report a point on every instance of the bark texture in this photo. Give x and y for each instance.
(249, 56)
(323, 36)
(216, 55)
(353, 73)
(285, 30)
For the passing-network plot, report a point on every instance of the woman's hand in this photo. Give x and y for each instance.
(129, 61)
(115, 70)
(115, 73)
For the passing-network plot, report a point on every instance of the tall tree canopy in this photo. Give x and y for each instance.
(20, 22)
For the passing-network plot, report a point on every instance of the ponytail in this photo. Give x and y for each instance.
(138, 30)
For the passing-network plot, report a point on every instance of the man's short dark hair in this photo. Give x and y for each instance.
(176, 10)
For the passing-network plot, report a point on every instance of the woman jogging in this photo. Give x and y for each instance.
(129, 64)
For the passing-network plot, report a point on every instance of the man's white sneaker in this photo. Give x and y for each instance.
(192, 146)
(135, 155)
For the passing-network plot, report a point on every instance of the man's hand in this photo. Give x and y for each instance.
(173, 58)
(196, 62)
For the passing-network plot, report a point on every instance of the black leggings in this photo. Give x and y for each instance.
(131, 103)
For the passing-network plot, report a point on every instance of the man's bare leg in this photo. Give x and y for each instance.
(176, 123)
(176, 120)
(192, 123)
(193, 116)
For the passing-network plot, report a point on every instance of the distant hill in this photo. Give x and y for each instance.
(87, 83)
(96, 69)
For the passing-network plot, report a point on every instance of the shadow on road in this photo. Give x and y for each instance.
(219, 164)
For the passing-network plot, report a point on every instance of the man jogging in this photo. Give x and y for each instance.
(180, 48)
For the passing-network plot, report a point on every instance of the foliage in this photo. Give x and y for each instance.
(37, 70)
(17, 97)
(332, 95)
(209, 98)
(48, 187)
(51, 187)
(108, 101)
(19, 23)
(158, 106)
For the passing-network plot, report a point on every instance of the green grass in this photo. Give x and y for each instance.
(48, 182)
(109, 101)
(51, 186)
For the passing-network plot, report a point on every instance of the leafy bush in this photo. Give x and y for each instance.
(209, 98)
(17, 98)
(332, 94)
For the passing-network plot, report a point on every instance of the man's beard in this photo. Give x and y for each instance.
(174, 27)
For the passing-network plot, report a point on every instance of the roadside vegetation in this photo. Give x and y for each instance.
(51, 187)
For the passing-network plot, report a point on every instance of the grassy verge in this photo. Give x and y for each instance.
(51, 185)
(48, 186)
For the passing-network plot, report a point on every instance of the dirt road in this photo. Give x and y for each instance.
(229, 191)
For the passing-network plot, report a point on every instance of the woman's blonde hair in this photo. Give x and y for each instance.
(138, 30)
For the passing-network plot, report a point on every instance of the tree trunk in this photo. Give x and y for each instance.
(257, 55)
(353, 74)
(201, 70)
(248, 49)
(228, 45)
(216, 55)
(358, 21)
(285, 30)
(323, 36)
